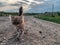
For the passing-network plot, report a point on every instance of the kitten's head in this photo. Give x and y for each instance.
(17, 19)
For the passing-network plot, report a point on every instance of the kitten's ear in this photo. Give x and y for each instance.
(20, 11)
(11, 18)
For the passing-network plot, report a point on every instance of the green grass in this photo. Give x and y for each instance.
(55, 19)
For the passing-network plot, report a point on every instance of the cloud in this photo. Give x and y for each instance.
(2, 4)
(8, 8)
(11, 5)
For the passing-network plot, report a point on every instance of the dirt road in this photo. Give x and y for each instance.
(39, 32)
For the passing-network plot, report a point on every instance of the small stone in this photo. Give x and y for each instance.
(0, 41)
(3, 43)
(40, 32)
(22, 39)
(43, 36)
(4, 38)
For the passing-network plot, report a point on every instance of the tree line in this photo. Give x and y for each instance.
(16, 13)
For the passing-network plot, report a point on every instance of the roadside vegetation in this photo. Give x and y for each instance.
(55, 17)
(16, 13)
(8, 13)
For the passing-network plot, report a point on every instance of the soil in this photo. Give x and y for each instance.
(39, 32)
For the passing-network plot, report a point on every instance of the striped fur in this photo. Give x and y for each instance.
(18, 21)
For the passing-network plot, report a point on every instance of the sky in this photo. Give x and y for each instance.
(31, 6)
